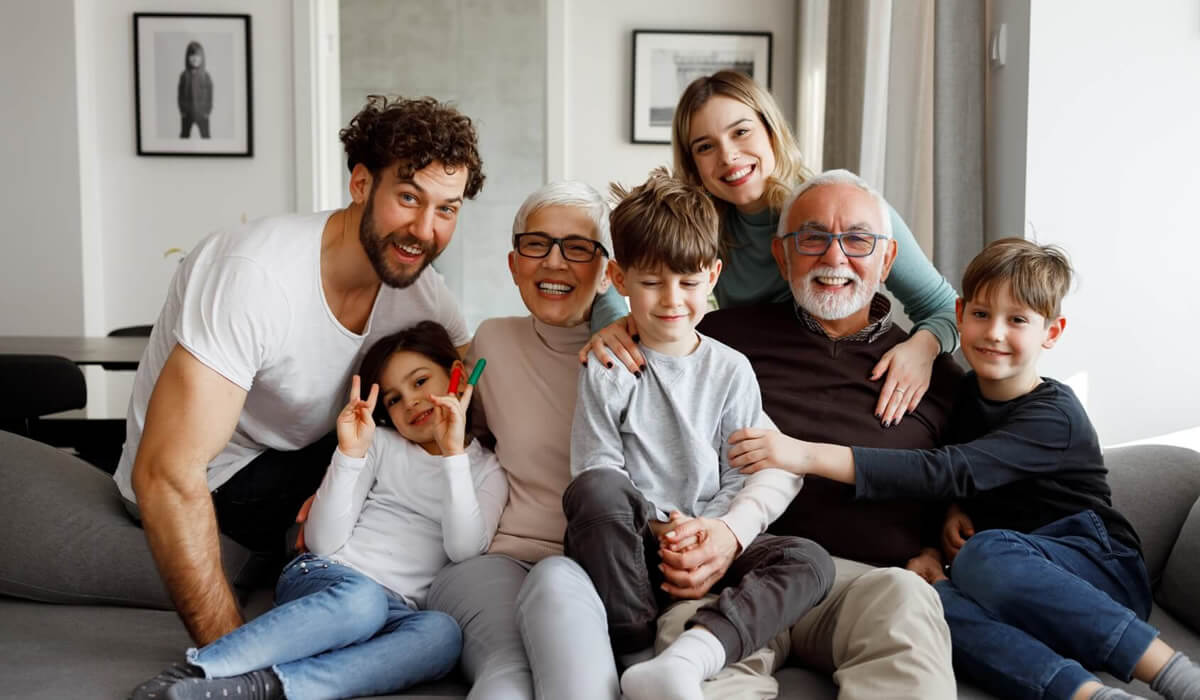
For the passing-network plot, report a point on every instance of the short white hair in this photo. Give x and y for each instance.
(568, 193)
(837, 177)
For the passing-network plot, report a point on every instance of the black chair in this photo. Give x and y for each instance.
(126, 332)
(36, 386)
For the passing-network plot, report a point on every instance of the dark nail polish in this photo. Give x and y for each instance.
(877, 415)
(637, 338)
(637, 375)
(584, 363)
(643, 368)
(608, 365)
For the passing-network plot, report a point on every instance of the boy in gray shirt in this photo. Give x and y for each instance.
(650, 447)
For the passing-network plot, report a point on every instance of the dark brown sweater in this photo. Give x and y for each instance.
(819, 389)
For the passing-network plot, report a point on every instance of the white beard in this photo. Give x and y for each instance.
(832, 305)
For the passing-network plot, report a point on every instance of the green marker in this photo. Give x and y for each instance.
(476, 372)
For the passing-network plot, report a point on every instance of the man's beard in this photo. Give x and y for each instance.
(832, 306)
(378, 249)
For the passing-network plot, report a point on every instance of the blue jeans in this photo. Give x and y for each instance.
(336, 633)
(1029, 613)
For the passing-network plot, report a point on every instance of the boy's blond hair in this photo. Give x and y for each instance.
(1038, 276)
(664, 221)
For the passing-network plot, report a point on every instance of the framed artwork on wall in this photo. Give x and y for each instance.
(192, 84)
(665, 62)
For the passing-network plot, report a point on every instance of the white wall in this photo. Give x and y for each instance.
(143, 206)
(1113, 174)
(41, 261)
(598, 40)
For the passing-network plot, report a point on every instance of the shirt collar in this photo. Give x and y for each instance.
(879, 321)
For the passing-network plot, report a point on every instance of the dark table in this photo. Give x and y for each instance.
(113, 353)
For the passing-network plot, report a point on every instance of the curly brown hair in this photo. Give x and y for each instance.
(412, 133)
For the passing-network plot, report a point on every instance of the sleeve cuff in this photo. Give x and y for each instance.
(345, 461)
(743, 522)
(942, 329)
(457, 462)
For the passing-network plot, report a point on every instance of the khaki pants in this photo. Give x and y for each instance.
(880, 632)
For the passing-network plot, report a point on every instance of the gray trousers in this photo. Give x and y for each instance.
(529, 631)
(768, 586)
(880, 633)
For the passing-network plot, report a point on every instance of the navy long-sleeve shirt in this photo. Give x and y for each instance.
(1016, 465)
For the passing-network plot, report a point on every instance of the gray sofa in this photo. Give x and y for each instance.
(81, 615)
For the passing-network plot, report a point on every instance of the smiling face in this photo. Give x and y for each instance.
(832, 287)
(404, 387)
(407, 222)
(732, 152)
(666, 305)
(1002, 340)
(556, 291)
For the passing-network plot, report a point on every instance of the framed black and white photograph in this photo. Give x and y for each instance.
(192, 85)
(665, 62)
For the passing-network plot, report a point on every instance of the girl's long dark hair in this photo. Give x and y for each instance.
(427, 338)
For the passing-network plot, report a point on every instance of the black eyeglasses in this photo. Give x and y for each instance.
(855, 244)
(573, 248)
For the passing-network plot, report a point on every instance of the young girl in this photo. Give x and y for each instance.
(729, 137)
(396, 505)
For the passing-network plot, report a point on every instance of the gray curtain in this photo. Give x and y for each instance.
(844, 77)
(959, 73)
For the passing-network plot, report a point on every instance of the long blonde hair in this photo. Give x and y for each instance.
(789, 165)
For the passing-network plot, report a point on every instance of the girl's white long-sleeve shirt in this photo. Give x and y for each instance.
(400, 514)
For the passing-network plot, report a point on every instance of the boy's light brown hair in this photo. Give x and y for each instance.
(1038, 276)
(664, 221)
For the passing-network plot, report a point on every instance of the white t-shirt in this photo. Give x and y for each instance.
(249, 304)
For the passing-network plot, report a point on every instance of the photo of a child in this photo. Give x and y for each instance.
(195, 92)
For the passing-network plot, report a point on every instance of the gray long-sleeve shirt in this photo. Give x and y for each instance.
(668, 430)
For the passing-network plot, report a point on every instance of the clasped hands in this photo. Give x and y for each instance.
(695, 553)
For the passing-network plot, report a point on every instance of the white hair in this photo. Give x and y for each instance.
(568, 193)
(837, 177)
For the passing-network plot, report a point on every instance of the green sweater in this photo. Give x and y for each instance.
(750, 276)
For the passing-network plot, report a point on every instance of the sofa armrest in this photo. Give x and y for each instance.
(67, 537)
(1155, 487)
(1179, 591)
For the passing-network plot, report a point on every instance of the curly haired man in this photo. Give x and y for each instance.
(252, 353)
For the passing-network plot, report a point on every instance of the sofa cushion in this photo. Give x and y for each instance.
(68, 538)
(1154, 486)
(1179, 591)
(49, 652)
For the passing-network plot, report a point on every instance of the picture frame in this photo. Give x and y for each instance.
(665, 62)
(193, 89)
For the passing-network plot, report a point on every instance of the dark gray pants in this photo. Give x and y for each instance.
(766, 589)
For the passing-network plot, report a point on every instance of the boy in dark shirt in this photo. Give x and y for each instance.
(1054, 582)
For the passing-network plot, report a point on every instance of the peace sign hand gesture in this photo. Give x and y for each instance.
(450, 416)
(355, 424)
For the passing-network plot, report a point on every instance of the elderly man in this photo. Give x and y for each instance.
(880, 630)
(251, 356)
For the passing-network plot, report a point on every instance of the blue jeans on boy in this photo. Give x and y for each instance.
(1029, 613)
(336, 633)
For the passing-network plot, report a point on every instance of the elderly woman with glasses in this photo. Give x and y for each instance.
(520, 595)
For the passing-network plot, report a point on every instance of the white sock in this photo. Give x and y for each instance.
(633, 658)
(678, 672)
